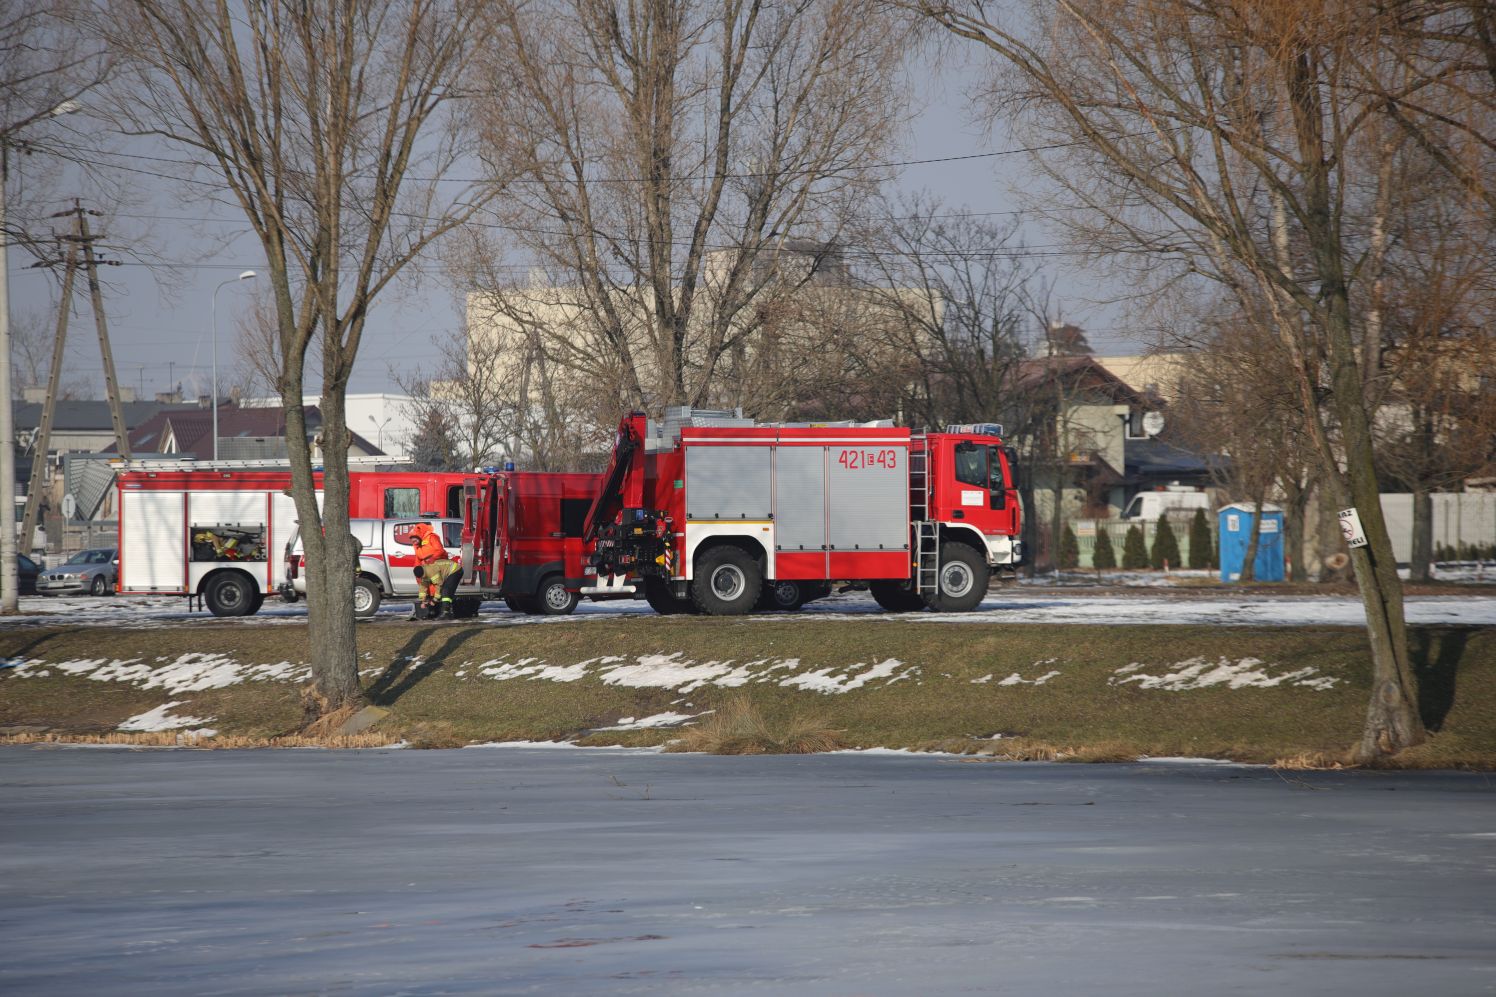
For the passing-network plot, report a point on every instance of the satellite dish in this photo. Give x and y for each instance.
(69, 506)
(1153, 423)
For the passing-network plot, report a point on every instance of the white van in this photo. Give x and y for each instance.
(1173, 500)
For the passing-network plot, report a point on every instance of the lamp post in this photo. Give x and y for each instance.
(246, 275)
(9, 580)
(379, 440)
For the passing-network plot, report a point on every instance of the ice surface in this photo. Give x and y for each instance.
(531, 871)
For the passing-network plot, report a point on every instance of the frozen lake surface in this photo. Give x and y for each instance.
(1009, 605)
(529, 871)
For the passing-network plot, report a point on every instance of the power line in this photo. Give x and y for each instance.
(690, 178)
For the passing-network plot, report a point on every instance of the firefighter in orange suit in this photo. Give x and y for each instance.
(427, 543)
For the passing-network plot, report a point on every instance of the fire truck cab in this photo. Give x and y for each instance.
(709, 511)
(523, 541)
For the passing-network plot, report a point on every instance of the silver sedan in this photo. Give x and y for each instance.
(92, 571)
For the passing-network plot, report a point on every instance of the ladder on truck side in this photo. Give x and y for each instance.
(926, 531)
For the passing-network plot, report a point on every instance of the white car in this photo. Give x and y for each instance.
(385, 563)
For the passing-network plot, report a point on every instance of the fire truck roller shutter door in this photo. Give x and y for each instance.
(728, 482)
(867, 503)
(800, 512)
(155, 548)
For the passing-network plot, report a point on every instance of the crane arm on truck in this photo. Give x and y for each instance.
(610, 493)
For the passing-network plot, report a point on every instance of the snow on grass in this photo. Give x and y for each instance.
(187, 673)
(160, 719)
(656, 720)
(676, 672)
(1016, 679)
(1198, 673)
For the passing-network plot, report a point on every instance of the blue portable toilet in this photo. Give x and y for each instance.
(1235, 525)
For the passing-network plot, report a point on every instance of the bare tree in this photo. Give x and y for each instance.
(662, 155)
(955, 290)
(1219, 139)
(468, 395)
(48, 66)
(1230, 401)
(330, 125)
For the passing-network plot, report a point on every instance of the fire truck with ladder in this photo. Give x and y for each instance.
(710, 512)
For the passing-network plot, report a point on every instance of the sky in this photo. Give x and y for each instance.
(161, 322)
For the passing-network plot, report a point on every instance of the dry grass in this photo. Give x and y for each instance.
(738, 728)
(1310, 761)
(185, 739)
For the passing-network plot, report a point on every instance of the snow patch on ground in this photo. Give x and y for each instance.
(160, 719)
(566, 744)
(187, 673)
(678, 673)
(1198, 673)
(656, 720)
(1017, 679)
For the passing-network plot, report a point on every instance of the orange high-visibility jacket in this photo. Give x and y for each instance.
(428, 545)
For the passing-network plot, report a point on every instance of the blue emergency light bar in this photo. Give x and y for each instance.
(979, 428)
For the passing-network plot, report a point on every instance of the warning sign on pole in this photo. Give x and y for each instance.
(1350, 528)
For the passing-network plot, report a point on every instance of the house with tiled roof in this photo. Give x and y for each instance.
(257, 433)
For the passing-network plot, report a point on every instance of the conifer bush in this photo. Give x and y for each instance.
(1165, 544)
(1103, 556)
(1200, 542)
(1134, 549)
(1069, 549)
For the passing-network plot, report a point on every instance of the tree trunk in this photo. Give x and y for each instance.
(1423, 534)
(1295, 513)
(328, 546)
(1249, 567)
(1392, 719)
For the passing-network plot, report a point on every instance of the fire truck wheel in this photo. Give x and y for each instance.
(554, 599)
(727, 582)
(782, 595)
(896, 597)
(230, 594)
(663, 601)
(963, 579)
(366, 597)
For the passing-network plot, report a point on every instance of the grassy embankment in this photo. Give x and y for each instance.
(446, 686)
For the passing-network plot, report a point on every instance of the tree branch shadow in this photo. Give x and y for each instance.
(409, 668)
(1436, 653)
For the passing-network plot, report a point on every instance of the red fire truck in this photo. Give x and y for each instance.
(708, 509)
(523, 539)
(216, 530)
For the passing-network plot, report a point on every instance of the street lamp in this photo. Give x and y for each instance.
(9, 582)
(246, 275)
(379, 441)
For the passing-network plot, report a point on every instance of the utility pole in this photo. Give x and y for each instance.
(43, 439)
(10, 601)
(80, 238)
(111, 383)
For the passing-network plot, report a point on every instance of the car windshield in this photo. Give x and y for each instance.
(91, 557)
